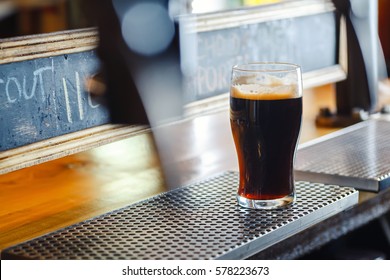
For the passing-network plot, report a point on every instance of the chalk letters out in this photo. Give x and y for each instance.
(15, 91)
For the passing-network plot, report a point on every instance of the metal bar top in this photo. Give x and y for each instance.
(199, 221)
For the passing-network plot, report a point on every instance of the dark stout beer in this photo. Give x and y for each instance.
(265, 129)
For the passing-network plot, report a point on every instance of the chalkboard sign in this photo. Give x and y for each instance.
(300, 33)
(45, 110)
(46, 97)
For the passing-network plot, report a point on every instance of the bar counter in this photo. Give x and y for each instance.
(50, 196)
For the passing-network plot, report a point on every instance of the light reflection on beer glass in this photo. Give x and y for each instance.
(265, 118)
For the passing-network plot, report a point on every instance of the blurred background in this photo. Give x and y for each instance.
(26, 17)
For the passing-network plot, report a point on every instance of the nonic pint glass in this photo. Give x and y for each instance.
(265, 118)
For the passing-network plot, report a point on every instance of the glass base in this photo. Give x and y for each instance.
(266, 204)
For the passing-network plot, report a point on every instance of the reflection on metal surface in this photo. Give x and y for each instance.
(358, 156)
(199, 221)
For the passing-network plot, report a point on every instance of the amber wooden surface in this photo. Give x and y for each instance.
(52, 195)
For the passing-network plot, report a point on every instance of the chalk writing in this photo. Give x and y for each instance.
(79, 99)
(67, 103)
(45, 97)
(208, 57)
(13, 84)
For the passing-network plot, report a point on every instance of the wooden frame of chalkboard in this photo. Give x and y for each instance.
(45, 110)
(301, 32)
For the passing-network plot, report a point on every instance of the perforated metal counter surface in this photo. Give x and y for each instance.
(199, 221)
(356, 156)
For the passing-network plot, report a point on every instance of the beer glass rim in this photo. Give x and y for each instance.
(267, 67)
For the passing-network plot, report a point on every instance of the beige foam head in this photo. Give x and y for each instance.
(261, 92)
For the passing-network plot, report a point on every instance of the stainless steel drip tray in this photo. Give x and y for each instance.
(199, 221)
(357, 156)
